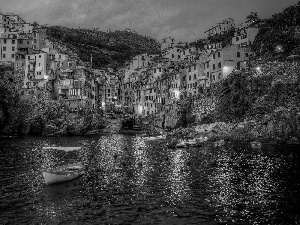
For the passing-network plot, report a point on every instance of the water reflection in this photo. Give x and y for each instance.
(178, 186)
(130, 180)
(247, 185)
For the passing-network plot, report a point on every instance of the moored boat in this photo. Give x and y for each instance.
(63, 173)
(160, 137)
(181, 144)
(255, 144)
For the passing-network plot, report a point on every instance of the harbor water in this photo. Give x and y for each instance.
(130, 180)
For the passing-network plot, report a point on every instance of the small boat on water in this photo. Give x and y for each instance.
(194, 143)
(160, 137)
(63, 173)
(181, 144)
(255, 144)
(219, 143)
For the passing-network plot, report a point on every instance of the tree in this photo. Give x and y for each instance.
(253, 19)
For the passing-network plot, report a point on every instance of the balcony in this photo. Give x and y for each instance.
(32, 61)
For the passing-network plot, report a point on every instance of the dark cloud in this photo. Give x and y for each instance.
(185, 20)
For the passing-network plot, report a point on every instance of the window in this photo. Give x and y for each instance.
(159, 69)
(28, 57)
(4, 48)
(238, 65)
(4, 56)
(219, 54)
(13, 55)
(190, 77)
(195, 67)
(238, 54)
(219, 64)
(195, 76)
(219, 76)
(190, 68)
(4, 41)
(237, 39)
(172, 55)
(214, 66)
(154, 70)
(246, 54)
(13, 41)
(13, 49)
(207, 74)
(214, 77)
(214, 56)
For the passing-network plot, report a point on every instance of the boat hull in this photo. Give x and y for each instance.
(63, 174)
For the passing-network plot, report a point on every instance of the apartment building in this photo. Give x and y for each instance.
(221, 27)
(8, 44)
(139, 61)
(39, 38)
(173, 54)
(36, 69)
(168, 43)
(244, 36)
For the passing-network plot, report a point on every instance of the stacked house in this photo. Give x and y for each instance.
(151, 85)
(27, 48)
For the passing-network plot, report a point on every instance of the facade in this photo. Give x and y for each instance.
(221, 27)
(39, 38)
(36, 69)
(8, 49)
(244, 36)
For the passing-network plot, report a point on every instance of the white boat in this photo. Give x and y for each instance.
(63, 173)
(160, 137)
(255, 144)
(219, 143)
(181, 144)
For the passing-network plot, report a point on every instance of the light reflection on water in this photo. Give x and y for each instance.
(134, 181)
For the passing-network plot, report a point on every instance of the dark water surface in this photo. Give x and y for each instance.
(132, 181)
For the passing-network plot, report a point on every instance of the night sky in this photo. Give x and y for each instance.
(184, 20)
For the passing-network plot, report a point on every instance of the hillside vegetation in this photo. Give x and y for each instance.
(107, 48)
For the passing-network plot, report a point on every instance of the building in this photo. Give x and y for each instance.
(139, 61)
(8, 44)
(222, 27)
(39, 38)
(36, 69)
(244, 36)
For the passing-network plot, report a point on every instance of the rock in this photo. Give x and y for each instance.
(50, 130)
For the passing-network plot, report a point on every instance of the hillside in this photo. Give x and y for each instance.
(280, 34)
(108, 48)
